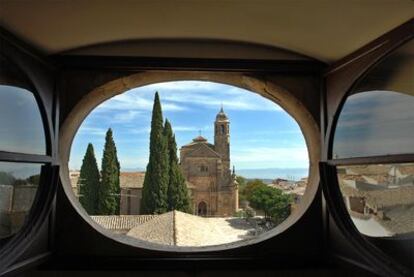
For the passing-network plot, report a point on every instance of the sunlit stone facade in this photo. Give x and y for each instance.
(207, 167)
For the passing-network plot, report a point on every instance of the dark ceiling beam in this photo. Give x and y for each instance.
(23, 46)
(186, 64)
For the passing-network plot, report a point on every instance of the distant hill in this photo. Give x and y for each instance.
(265, 174)
(266, 181)
(273, 173)
(135, 169)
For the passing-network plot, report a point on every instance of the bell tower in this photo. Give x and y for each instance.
(222, 139)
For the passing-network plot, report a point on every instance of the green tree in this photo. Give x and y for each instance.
(88, 182)
(242, 182)
(272, 201)
(6, 178)
(246, 190)
(110, 191)
(178, 198)
(154, 192)
(35, 179)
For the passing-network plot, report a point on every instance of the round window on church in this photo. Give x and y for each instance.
(189, 164)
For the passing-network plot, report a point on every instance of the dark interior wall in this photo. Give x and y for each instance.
(77, 245)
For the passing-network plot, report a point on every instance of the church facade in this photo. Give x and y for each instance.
(206, 167)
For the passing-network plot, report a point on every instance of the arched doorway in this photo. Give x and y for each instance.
(202, 209)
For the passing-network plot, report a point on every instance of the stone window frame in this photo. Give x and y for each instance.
(266, 88)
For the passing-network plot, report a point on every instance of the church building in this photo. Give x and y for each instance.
(206, 167)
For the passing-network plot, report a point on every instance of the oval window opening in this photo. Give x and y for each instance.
(189, 164)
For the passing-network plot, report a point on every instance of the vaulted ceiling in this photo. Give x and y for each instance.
(324, 30)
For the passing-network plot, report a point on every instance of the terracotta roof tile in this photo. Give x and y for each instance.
(121, 222)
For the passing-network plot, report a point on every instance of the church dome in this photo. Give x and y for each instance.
(221, 115)
(199, 139)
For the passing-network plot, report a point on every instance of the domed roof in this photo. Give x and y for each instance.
(221, 115)
(199, 139)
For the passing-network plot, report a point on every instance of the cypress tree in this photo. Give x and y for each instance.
(110, 191)
(89, 181)
(154, 192)
(178, 198)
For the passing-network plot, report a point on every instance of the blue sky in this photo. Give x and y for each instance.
(262, 134)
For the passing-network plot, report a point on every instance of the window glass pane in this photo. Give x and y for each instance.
(378, 117)
(375, 123)
(18, 187)
(21, 127)
(379, 197)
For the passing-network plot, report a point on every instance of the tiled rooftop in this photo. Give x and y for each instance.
(121, 222)
(400, 220)
(182, 229)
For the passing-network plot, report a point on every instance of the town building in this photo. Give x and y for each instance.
(382, 193)
(131, 184)
(207, 167)
(131, 190)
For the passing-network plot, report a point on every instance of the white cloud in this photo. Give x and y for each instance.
(184, 85)
(145, 130)
(94, 131)
(134, 101)
(239, 101)
(185, 128)
(176, 94)
(124, 117)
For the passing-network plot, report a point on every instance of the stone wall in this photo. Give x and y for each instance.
(130, 201)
